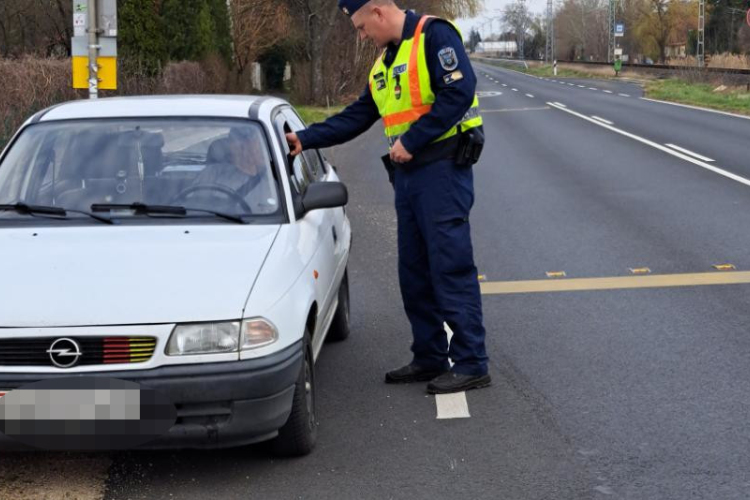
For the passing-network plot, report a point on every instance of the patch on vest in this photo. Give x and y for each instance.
(448, 58)
(453, 77)
(380, 84)
(399, 69)
(379, 75)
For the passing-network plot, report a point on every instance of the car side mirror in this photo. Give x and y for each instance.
(324, 195)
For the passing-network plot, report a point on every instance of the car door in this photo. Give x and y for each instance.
(317, 223)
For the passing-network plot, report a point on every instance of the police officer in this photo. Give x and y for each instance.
(423, 87)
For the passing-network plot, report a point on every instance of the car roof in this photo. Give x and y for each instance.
(224, 106)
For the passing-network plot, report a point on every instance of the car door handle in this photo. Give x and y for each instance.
(335, 236)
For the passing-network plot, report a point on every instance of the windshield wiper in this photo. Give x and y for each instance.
(58, 212)
(145, 209)
(140, 208)
(233, 218)
(24, 209)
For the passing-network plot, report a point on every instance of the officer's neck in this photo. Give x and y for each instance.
(399, 19)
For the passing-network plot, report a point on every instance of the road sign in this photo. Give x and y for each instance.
(94, 45)
(619, 29)
(618, 52)
(106, 73)
(106, 14)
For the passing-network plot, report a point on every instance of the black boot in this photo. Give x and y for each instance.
(411, 373)
(457, 382)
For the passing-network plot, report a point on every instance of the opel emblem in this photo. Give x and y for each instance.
(64, 353)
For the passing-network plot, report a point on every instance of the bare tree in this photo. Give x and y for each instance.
(257, 25)
(517, 18)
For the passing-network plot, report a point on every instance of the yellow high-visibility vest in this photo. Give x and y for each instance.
(403, 92)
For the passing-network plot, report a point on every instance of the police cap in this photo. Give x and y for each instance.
(349, 7)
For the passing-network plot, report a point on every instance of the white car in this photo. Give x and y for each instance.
(172, 244)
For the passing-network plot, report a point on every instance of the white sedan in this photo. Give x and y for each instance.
(171, 271)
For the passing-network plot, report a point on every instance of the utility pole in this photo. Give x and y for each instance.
(549, 51)
(611, 23)
(93, 32)
(700, 52)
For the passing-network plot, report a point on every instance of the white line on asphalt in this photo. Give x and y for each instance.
(452, 406)
(698, 108)
(593, 88)
(607, 91)
(582, 86)
(514, 90)
(688, 152)
(558, 104)
(529, 95)
(504, 85)
(672, 152)
(572, 84)
(602, 120)
(624, 95)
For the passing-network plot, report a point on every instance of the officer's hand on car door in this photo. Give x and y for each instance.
(295, 145)
(399, 154)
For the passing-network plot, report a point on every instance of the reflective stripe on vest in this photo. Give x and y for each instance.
(403, 93)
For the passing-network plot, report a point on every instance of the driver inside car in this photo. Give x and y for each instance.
(240, 163)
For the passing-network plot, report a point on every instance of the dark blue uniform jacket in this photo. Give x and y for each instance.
(452, 98)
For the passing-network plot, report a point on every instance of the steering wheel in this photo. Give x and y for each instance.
(231, 193)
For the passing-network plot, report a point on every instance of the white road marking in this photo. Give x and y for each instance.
(688, 152)
(504, 85)
(672, 152)
(582, 86)
(593, 88)
(607, 91)
(602, 120)
(529, 95)
(735, 115)
(624, 95)
(452, 406)
(558, 104)
(514, 90)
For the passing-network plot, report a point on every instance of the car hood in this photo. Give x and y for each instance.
(104, 275)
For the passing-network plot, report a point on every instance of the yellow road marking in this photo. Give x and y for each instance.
(725, 267)
(556, 274)
(616, 282)
(640, 270)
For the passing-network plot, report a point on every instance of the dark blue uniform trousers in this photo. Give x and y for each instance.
(437, 274)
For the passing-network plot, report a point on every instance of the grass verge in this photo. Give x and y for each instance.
(734, 99)
(313, 114)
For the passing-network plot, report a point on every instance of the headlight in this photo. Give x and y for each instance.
(219, 338)
(257, 332)
(204, 338)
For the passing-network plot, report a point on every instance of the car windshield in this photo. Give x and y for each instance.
(105, 166)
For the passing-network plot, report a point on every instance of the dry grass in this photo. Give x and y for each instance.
(31, 84)
(732, 61)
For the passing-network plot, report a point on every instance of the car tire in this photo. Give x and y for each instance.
(340, 325)
(298, 435)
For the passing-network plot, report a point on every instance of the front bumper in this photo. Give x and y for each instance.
(218, 404)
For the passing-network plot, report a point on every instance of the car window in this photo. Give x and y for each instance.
(222, 165)
(300, 175)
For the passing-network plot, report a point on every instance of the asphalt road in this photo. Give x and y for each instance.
(638, 393)
(633, 394)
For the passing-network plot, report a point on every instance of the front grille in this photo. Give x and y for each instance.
(94, 350)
